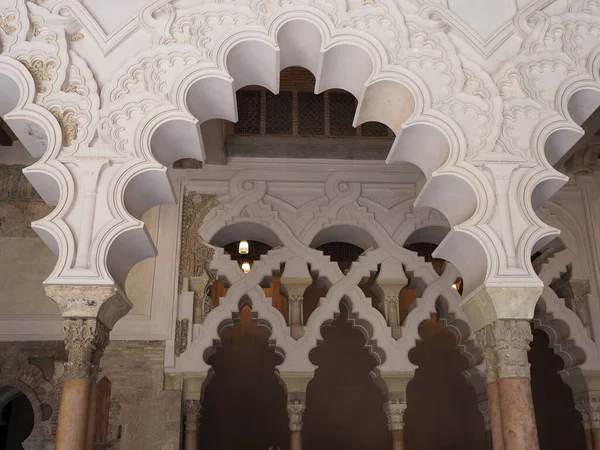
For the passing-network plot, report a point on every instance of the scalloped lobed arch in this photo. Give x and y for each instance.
(41, 135)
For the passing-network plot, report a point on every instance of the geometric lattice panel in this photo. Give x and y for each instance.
(248, 103)
(279, 113)
(311, 114)
(342, 106)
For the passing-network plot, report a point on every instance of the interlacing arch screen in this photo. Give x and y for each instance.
(258, 212)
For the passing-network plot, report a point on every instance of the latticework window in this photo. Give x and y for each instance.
(279, 113)
(248, 103)
(342, 107)
(297, 111)
(311, 114)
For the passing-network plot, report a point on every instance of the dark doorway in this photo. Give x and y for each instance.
(558, 422)
(16, 420)
(344, 408)
(442, 412)
(244, 406)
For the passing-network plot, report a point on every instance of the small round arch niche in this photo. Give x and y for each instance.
(17, 419)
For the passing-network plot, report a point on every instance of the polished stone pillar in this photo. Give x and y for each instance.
(92, 416)
(394, 410)
(510, 341)
(191, 413)
(494, 412)
(85, 341)
(295, 410)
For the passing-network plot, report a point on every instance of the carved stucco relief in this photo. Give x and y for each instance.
(195, 256)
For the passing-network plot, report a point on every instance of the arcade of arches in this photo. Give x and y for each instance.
(318, 224)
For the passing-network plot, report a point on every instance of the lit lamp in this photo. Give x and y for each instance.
(245, 267)
(455, 286)
(243, 248)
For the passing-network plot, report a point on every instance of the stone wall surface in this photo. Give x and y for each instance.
(142, 415)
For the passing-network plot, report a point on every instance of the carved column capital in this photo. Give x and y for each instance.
(191, 412)
(584, 409)
(510, 339)
(487, 344)
(296, 299)
(295, 410)
(394, 411)
(85, 340)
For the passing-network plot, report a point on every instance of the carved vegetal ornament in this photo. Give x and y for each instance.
(191, 411)
(506, 342)
(295, 410)
(195, 256)
(181, 336)
(41, 71)
(85, 340)
(394, 411)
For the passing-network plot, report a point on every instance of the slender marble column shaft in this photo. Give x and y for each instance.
(85, 340)
(494, 413)
(92, 416)
(510, 339)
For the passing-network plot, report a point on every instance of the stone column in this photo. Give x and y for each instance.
(394, 411)
(191, 412)
(584, 410)
(295, 409)
(493, 409)
(85, 341)
(485, 413)
(510, 339)
(89, 313)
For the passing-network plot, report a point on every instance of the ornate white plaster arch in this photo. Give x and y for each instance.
(492, 133)
(568, 336)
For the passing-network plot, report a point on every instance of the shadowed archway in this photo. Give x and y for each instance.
(442, 412)
(244, 405)
(344, 407)
(558, 422)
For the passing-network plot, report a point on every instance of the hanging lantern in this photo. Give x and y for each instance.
(243, 248)
(245, 267)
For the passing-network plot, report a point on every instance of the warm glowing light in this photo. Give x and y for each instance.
(243, 248)
(455, 286)
(246, 267)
